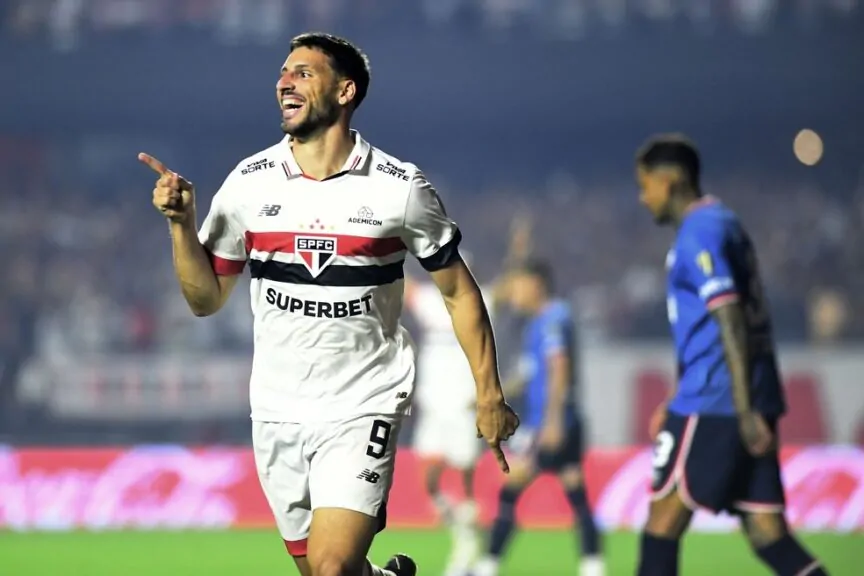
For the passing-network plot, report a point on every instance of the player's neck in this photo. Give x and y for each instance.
(683, 205)
(541, 306)
(324, 154)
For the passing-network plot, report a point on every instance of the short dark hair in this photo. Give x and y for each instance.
(347, 59)
(674, 150)
(540, 269)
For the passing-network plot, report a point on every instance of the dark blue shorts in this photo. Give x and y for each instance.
(568, 454)
(524, 444)
(703, 457)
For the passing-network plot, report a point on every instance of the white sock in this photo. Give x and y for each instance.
(466, 540)
(487, 566)
(444, 507)
(592, 566)
(465, 513)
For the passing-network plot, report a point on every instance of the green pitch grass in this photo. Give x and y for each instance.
(251, 553)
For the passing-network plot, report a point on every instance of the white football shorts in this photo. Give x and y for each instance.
(303, 467)
(449, 434)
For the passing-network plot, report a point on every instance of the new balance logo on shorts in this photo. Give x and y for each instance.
(369, 476)
(270, 210)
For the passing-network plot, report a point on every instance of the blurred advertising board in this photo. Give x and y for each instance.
(174, 487)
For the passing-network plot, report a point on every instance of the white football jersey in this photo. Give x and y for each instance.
(326, 263)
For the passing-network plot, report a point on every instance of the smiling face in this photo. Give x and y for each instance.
(311, 94)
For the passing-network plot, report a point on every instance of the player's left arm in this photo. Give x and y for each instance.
(558, 370)
(472, 326)
(434, 239)
(733, 331)
(712, 274)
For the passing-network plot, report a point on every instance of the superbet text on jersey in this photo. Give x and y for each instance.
(326, 261)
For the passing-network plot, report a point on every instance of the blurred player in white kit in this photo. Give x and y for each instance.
(446, 404)
(324, 222)
(445, 419)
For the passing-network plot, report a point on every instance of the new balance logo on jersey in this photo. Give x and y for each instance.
(392, 170)
(270, 210)
(369, 476)
(259, 165)
(365, 216)
(316, 252)
(314, 309)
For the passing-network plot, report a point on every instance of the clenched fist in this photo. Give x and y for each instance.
(173, 196)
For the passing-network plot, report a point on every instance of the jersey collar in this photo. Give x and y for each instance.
(356, 162)
(706, 200)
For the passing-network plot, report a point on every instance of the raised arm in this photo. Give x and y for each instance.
(206, 264)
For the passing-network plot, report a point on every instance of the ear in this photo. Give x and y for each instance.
(677, 182)
(347, 92)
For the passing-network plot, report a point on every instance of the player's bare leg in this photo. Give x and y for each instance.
(668, 519)
(769, 535)
(339, 540)
(460, 517)
(303, 565)
(433, 469)
(572, 480)
(522, 474)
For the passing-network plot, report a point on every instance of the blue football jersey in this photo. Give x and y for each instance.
(550, 332)
(713, 263)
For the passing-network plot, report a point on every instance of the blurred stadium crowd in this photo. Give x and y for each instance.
(76, 284)
(87, 264)
(263, 21)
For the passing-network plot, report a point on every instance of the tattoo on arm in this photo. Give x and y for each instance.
(734, 333)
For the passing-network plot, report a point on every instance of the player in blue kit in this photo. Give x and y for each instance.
(550, 437)
(715, 439)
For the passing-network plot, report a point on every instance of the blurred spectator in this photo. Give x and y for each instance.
(829, 314)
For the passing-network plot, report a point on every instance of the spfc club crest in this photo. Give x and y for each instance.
(316, 252)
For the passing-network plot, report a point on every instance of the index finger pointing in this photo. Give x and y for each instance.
(153, 163)
(502, 460)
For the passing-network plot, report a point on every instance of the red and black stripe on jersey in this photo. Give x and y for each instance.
(341, 274)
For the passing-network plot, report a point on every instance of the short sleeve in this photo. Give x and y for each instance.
(221, 236)
(705, 258)
(428, 233)
(553, 339)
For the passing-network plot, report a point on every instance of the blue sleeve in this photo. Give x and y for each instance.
(555, 334)
(704, 254)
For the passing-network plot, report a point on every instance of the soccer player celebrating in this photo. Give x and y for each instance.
(551, 438)
(324, 221)
(715, 439)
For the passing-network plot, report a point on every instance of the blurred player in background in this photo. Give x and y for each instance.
(445, 419)
(324, 221)
(551, 436)
(446, 412)
(715, 439)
